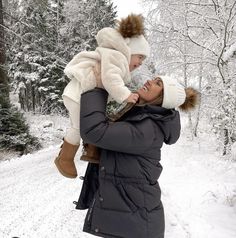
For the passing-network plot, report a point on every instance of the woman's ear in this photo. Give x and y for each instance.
(192, 98)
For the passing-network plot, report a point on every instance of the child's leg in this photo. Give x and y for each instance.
(65, 160)
(73, 133)
(90, 152)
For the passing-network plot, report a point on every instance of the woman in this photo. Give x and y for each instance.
(122, 192)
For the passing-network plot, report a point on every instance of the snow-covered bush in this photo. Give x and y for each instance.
(14, 132)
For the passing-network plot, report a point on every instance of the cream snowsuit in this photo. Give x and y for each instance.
(114, 55)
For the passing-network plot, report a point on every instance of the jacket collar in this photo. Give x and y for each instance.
(167, 119)
(139, 111)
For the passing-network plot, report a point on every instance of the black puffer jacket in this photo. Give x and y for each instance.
(122, 193)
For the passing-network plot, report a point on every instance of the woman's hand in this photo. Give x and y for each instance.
(97, 74)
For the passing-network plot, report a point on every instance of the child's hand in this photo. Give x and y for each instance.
(133, 98)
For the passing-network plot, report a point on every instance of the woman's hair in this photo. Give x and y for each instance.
(159, 100)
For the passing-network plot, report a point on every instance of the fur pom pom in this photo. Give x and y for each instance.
(192, 97)
(131, 26)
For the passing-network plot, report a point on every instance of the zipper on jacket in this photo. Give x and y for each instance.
(90, 210)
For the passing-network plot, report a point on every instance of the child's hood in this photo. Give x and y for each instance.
(112, 39)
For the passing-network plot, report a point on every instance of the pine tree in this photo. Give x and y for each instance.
(4, 87)
(14, 133)
(101, 13)
(36, 70)
(46, 38)
(82, 22)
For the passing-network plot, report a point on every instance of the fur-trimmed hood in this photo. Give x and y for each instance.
(112, 39)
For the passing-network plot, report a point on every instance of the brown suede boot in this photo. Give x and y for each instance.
(65, 160)
(90, 154)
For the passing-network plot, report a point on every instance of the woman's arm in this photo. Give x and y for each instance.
(95, 128)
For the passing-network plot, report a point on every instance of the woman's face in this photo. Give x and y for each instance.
(151, 90)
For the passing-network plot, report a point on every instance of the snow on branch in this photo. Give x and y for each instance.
(229, 53)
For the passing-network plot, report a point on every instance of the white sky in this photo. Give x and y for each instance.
(125, 7)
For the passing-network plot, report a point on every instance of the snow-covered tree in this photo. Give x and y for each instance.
(215, 32)
(82, 22)
(4, 87)
(14, 133)
(189, 39)
(36, 69)
(45, 35)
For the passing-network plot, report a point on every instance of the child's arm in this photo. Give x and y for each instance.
(114, 68)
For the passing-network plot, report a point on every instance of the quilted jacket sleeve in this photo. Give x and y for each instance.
(95, 128)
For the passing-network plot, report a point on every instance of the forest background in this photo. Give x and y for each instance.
(193, 40)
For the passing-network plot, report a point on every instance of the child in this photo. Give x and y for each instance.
(119, 51)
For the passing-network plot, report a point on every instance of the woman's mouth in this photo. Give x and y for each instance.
(145, 88)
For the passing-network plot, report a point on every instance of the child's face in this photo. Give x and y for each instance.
(136, 61)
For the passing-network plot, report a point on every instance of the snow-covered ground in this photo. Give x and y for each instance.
(198, 190)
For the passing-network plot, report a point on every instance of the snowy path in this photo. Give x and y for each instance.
(199, 198)
(199, 192)
(36, 201)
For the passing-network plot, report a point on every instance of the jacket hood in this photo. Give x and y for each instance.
(167, 119)
(111, 38)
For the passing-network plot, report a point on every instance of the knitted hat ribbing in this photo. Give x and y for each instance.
(174, 93)
(139, 46)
